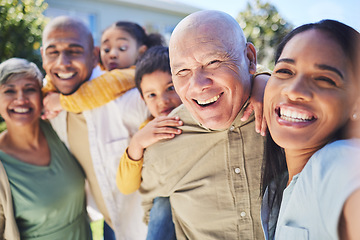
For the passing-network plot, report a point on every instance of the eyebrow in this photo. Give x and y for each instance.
(320, 66)
(330, 68)
(121, 38)
(286, 60)
(73, 45)
(13, 85)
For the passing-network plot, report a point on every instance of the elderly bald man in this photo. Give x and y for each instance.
(211, 172)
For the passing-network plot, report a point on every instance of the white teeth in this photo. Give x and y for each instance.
(66, 75)
(21, 110)
(293, 116)
(211, 100)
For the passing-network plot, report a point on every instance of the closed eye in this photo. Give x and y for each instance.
(9, 91)
(182, 72)
(326, 80)
(214, 62)
(284, 71)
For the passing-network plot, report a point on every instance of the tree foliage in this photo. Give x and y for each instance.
(265, 28)
(21, 25)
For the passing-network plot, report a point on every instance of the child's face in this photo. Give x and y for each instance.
(118, 49)
(159, 93)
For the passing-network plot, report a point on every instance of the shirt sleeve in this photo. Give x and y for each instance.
(338, 175)
(128, 176)
(99, 91)
(260, 69)
(49, 86)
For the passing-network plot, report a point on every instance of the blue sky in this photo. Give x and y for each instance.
(295, 11)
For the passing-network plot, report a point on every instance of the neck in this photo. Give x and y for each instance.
(296, 161)
(23, 137)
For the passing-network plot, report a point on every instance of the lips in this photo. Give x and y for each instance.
(65, 76)
(204, 103)
(21, 110)
(290, 115)
(165, 112)
(112, 66)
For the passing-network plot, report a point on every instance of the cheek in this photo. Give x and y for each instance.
(180, 88)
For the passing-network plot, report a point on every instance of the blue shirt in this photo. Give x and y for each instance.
(313, 201)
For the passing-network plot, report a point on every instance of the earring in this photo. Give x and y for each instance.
(354, 116)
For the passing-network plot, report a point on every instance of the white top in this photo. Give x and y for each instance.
(110, 128)
(313, 201)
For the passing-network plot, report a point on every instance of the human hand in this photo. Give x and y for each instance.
(159, 128)
(52, 106)
(256, 103)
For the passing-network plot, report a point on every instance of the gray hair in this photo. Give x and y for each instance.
(18, 67)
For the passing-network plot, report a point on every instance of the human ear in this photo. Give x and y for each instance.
(96, 56)
(141, 50)
(251, 55)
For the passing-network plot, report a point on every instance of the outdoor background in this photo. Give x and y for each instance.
(265, 22)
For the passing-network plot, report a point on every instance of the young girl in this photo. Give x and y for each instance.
(311, 178)
(123, 43)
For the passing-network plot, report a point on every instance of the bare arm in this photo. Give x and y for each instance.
(350, 218)
(128, 176)
(158, 129)
(52, 106)
(256, 103)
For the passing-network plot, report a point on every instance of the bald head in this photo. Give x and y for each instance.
(211, 65)
(66, 23)
(210, 23)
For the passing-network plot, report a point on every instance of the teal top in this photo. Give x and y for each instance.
(49, 201)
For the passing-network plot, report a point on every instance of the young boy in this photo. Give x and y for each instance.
(153, 79)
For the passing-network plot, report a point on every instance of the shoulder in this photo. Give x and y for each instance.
(341, 153)
(335, 168)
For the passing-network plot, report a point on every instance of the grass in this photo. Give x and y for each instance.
(97, 228)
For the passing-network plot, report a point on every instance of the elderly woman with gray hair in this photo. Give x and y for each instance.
(42, 192)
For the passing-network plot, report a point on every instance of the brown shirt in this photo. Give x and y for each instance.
(212, 178)
(79, 147)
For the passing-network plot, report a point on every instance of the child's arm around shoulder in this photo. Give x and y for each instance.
(91, 94)
(128, 177)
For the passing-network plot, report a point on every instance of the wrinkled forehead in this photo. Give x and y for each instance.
(216, 28)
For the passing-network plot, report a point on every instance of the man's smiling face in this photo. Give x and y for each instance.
(210, 75)
(68, 58)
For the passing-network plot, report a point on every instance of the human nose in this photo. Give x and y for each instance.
(200, 81)
(21, 97)
(63, 59)
(299, 89)
(113, 53)
(164, 99)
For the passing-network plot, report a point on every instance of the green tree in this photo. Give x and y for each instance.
(21, 25)
(265, 28)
